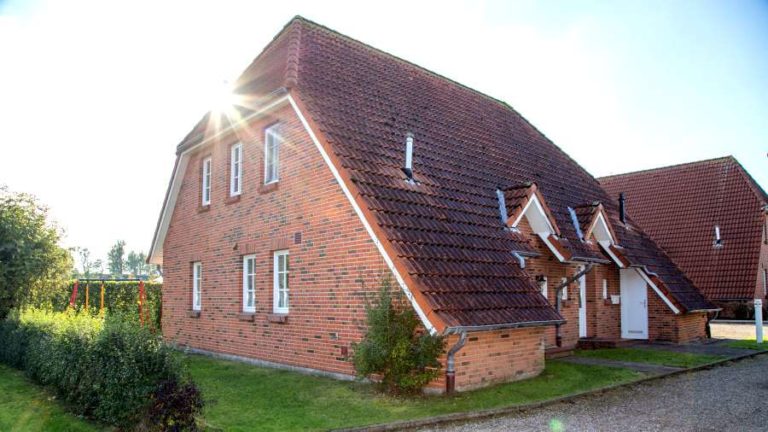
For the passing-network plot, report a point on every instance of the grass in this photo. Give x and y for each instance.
(749, 344)
(638, 355)
(245, 397)
(26, 407)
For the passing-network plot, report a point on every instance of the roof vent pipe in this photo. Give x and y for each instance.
(622, 211)
(408, 168)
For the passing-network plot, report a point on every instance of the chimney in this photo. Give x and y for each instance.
(408, 168)
(622, 211)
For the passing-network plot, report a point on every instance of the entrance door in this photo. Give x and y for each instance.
(634, 305)
(582, 305)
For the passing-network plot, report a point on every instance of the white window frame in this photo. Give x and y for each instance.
(272, 154)
(197, 286)
(236, 170)
(564, 292)
(605, 289)
(249, 283)
(206, 184)
(543, 286)
(278, 276)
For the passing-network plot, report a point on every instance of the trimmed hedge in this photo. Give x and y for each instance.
(119, 297)
(107, 368)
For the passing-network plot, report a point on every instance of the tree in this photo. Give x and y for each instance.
(116, 258)
(136, 263)
(32, 263)
(85, 261)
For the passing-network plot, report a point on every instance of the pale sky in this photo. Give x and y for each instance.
(95, 95)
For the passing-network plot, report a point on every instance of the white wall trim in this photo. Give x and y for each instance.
(534, 200)
(156, 250)
(365, 222)
(647, 279)
(601, 219)
(545, 238)
(607, 248)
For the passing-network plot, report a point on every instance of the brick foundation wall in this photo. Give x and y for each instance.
(664, 325)
(494, 357)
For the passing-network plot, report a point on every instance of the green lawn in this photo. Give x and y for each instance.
(749, 344)
(639, 355)
(26, 407)
(245, 397)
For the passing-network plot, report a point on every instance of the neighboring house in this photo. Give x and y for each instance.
(711, 218)
(347, 165)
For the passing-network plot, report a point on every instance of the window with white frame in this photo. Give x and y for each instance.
(564, 292)
(197, 286)
(280, 282)
(236, 170)
(543, 285)
(249, 283)
(605, 289)
(271, 154)
(206, 186)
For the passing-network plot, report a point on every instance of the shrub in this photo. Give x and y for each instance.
(106, 368)
(406, 360)
(119, 297)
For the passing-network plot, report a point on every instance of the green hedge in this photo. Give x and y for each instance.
(107, 368)
(119, 297)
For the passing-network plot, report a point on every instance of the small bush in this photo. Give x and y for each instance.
(406, 360)
(106, 368)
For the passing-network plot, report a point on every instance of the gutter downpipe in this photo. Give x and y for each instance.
(450, 370)
(558, 299)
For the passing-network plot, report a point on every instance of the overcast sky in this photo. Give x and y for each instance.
(94, 96)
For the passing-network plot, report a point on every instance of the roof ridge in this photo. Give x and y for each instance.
(678, 165)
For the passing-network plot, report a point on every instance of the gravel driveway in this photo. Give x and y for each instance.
(726, 398)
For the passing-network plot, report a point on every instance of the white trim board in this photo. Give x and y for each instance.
(669, 303)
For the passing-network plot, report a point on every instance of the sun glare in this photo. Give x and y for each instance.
(222, 99)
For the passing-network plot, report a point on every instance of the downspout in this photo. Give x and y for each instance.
(558, 299)
(450, 370)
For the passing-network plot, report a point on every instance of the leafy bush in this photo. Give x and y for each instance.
(119, 297)
(406, 360)
(106, 368)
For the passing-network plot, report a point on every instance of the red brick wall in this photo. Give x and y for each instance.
(664, 325)
(496, 356)
(332, 267)
(604, 317)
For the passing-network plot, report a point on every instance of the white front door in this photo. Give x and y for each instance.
(582, 305)
(634, 305)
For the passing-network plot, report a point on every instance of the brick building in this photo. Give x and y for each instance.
(342, 165)
(711, 218)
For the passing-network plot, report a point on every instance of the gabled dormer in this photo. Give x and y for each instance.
(593, 226)
(525, 201)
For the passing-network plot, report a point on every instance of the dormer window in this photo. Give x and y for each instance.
(718, 240)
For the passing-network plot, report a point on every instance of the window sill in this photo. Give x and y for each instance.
(203, 208)
(193, 314)
(279, 318)
(232, 199)
(269, 187)
(247, 316)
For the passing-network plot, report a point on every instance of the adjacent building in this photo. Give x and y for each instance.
(711, 218)
(343, 166)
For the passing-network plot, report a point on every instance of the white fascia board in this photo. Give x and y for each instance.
(644, 275)
(607, 248)
(600, 219)
(535, 202)
(428, 325)
(545, 238)
(156, 250)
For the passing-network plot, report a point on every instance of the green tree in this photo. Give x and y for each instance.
(136, 263)
(32, 263)
(116, 258)
(394, 349)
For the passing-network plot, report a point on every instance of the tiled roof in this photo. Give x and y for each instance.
(679, 207)
(445, 227)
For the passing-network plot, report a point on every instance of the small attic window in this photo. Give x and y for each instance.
(718, 240)
(408, 166)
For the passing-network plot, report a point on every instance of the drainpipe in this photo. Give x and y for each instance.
(450, 370)
(558, 299)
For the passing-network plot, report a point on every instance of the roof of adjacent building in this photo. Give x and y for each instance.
(679, 207)
(444, 227)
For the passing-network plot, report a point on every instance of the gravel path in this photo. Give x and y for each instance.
(732, 398)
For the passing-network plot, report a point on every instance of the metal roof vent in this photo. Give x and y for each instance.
(718, 243)
(502, 207)
(622, 211)
(408, 168)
